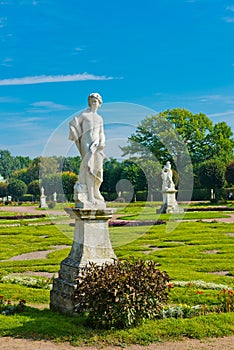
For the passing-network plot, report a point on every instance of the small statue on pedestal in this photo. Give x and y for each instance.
(170, 204)
(43, 203)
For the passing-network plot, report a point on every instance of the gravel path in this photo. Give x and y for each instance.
(226, 343)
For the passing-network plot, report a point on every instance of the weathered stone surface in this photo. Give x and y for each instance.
(170, 204)
(91, 244)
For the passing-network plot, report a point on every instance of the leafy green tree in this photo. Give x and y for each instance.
(52, 183)
(212, 174)
(6, 163)
(47, 166)
(221, 143)
(178, 135)
(229, 173)
(3, 189)
(34, 188)
(33, 170)
(68, 181)
(70, 164)
(112, 170)
(21, 162)
(130, 172)
(17, 189)
(21, 174)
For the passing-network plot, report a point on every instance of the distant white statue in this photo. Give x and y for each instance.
(86, 130)
(169, 204)
(42, 191)
(55, 197)
(43, 203)
(167, 175)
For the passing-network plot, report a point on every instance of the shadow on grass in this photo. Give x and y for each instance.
(47, 325)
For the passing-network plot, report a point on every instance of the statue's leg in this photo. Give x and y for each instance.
(97, 193)
(90, 187)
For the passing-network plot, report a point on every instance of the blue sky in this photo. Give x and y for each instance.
(140, 56)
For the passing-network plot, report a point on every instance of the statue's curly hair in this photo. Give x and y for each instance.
(97, 96)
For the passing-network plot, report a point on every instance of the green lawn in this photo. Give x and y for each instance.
(195, 251)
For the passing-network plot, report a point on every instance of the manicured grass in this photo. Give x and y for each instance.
(45, 324)
(149, 213)
(188, 251)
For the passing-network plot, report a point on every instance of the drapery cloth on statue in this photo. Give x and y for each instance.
(92, 157)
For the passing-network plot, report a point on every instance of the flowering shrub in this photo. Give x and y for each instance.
(121, 294)
(21, 216)
(117, 223)
(183, 311)
(7, 308)
(33, 282)
(200, 284)
(226, 300)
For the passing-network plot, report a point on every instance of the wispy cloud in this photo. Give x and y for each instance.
(217, 98)
(44, 106)
(3, 22)
(228, 19)
(222, 114)
(40, 79)
(230, 8)
(7, 62)
(8, 99)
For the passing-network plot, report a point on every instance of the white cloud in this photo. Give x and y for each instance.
(222, 114)
(39, 79)
(49, 105)
(228, 19)
(217, 98)
(230, 8)
(3, 22)
(7, 62)
(8, 99)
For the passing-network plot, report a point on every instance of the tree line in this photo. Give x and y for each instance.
(191, 142)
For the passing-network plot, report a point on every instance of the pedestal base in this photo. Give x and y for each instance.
(91, 244)
(170, 204)
(43, 203)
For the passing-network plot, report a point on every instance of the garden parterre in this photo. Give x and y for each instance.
(197, 256)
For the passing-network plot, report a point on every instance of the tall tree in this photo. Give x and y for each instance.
(112, 170)
(6, 163)
(68, 181)
(17, 188)
(71, 164)
(229, 173)
(212, 174)
(178, 135)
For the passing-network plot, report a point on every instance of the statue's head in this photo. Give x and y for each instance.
(168, 165)
(95, 95)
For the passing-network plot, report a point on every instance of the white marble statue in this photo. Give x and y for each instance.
(55, 197)
(86, 130)
(43, 203)
(166, 175)
(42, 191)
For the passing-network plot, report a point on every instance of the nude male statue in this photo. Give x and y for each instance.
(86, 130)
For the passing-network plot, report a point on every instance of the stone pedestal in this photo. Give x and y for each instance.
(91, 244)
(43, 203)
(170, 204)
